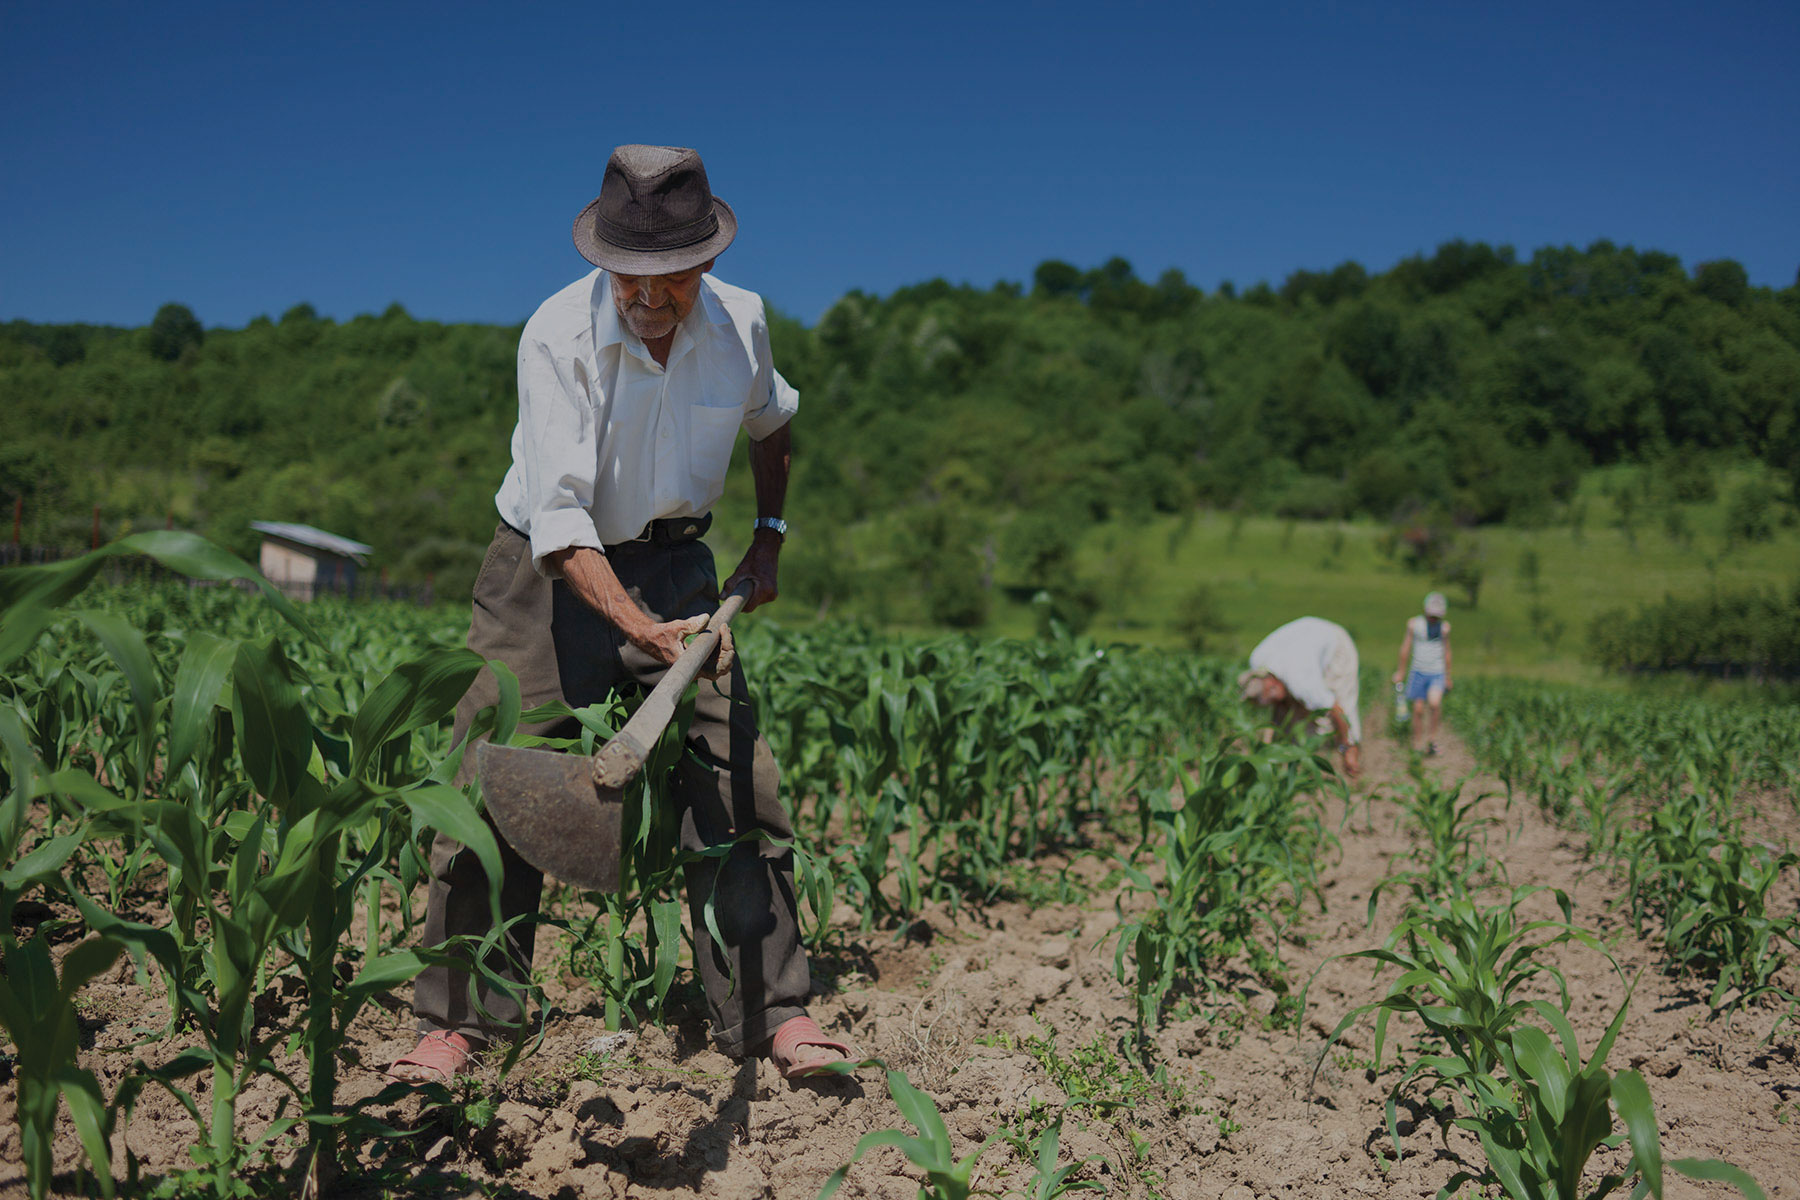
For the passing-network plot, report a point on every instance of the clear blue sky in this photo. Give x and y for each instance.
(243, 157)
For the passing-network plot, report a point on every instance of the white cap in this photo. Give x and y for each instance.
(1436, 605)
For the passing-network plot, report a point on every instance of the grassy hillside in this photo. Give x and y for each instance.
(1261, 571)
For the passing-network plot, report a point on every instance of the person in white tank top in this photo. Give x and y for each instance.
(1426, 648)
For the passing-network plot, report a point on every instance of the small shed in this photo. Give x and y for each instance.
(303, 561)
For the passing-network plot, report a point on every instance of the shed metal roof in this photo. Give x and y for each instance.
(318, 539)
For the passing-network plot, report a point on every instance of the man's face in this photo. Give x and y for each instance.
(653, 305)
(1274, 691)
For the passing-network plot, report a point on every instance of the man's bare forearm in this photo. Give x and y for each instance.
(590, 576)
(770, 461)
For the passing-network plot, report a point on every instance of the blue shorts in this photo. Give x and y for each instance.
(1420, 685)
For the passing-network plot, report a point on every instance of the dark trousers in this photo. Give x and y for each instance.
(755, 976)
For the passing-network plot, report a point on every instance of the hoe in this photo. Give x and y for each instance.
(561, 812)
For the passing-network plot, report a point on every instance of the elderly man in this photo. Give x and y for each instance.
(1308, 666)
(633, 384)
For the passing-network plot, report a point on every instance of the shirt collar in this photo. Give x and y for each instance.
(710, 302)
(610, 331)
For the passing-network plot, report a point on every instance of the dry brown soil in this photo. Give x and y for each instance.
(953, 1001)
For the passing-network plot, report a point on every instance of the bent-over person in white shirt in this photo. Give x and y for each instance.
(1309, 666)
(634, 382)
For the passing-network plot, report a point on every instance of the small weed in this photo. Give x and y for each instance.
(1102, 1076)
(1029, 883)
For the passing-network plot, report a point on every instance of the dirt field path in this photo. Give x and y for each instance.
(994, 1010)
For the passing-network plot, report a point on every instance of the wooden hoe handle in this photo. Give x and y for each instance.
(618, 762)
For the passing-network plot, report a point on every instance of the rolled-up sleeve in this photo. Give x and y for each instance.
(773, 401)
(556, 451)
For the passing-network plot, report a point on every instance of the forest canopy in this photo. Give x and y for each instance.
(977, 425)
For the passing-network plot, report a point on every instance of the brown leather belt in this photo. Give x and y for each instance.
(666, 531)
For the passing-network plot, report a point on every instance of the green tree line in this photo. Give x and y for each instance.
(968, 434)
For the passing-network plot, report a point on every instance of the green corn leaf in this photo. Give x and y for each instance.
(665, 917)
(1632, 1098)
(29, 594)
(414, 695)
(127, 648)
(44, 861)
(91, 957)
(86, 791)
(21, 765)
(833, 1182)
(81, 1092)
(1560, 1023)
(449, 811)
(31, 978)
(237, 945)
(1047, 1145)
(173, 829)
(1612, 1030)
(506, 713)
(383, 974)
(917, 1108)
(21, 624)
(274, 732)
(15, 1012)
(246, 862)
(238, 824)
(1711, 1170)
(199, 681)
(1507, 1165)
(197, 558)
(1542, 1063)
(919, 1153)
(1588, 1127)
(159, 942)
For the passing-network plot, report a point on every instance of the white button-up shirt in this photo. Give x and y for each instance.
(1299, 654)
(607, 440)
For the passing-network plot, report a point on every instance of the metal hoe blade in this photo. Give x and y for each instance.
(548, 807)
(562, 812)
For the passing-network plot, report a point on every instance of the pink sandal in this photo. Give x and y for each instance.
(441, 1055)
(802, 1031)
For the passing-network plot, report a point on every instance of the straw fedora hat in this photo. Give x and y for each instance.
(655, 214)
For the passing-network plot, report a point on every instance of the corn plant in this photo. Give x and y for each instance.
(37, 1007)
(1599, 804)
(1541, 1121)
(1462, 967)
(1238, 839)
(1451, 861)
(635, 973)
(941, 764)
(1686, 862)
(1048, 1180)
(260, 863)
(1712, 892)
(946, 1176)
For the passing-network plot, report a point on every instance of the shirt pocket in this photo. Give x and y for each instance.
(712, 434)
